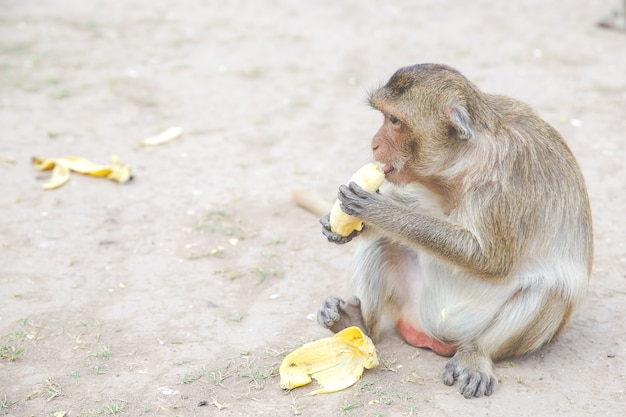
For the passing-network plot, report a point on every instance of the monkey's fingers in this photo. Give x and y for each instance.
(358, 190)
(325, 221)
(338, 239)
(351, 202)
(332, 236)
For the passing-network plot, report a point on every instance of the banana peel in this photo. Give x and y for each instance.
(62, 167)
(336, 362)
(166, 136)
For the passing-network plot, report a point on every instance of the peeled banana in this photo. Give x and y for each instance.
(336, 362)
(369, 177)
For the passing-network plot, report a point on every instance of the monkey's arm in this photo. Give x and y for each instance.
(488, 257)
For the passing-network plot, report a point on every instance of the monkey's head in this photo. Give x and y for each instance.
(428, 114)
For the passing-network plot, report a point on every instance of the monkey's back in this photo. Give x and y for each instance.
(539, 188)
(546, 172)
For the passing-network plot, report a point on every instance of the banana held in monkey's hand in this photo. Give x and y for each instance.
(369, 177)
(335, 362)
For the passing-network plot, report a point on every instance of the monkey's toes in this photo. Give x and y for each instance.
(328, 313)
(476, 384)
(353, 304)
(472, 383)
(449, 373)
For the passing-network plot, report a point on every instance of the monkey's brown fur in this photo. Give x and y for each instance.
(481, 243)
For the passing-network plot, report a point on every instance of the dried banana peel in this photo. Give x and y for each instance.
(369, 177)
(163, 137)
(335, 362)
(7, 159)
(61, 168)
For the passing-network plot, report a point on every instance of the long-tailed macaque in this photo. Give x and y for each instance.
(479, 246)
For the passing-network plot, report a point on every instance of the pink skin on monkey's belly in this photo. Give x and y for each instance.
(418, 338)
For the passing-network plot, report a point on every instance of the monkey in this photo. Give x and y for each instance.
(479, 244)
(616, 20)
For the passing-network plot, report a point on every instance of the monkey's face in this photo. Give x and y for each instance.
(388, 148)
(426, 125)
(403, 151)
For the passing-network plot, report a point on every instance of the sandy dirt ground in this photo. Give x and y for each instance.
(179, 293)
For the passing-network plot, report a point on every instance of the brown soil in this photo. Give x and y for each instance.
(189, 284)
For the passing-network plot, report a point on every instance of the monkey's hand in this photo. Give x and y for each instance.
(334, 237)
(357, 202)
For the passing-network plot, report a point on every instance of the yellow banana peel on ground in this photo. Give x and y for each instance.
(336, 362)
(62, 167)
(166, 136)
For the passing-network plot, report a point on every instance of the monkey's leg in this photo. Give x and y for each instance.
(374, 266)
(530, 319)
(336, 314)
(382, 279)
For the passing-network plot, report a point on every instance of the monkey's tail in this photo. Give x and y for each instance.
(311, 202)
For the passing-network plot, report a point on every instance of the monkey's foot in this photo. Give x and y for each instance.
(616, 21)
(417, 338)
(336, 314)
(473, 370)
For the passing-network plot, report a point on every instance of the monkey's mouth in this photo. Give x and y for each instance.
(388, 169)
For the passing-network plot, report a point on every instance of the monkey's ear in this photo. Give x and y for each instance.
(460, 121)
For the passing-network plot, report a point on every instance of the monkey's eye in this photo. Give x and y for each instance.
(393, 119)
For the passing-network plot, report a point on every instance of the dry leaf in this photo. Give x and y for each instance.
(335, 362)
